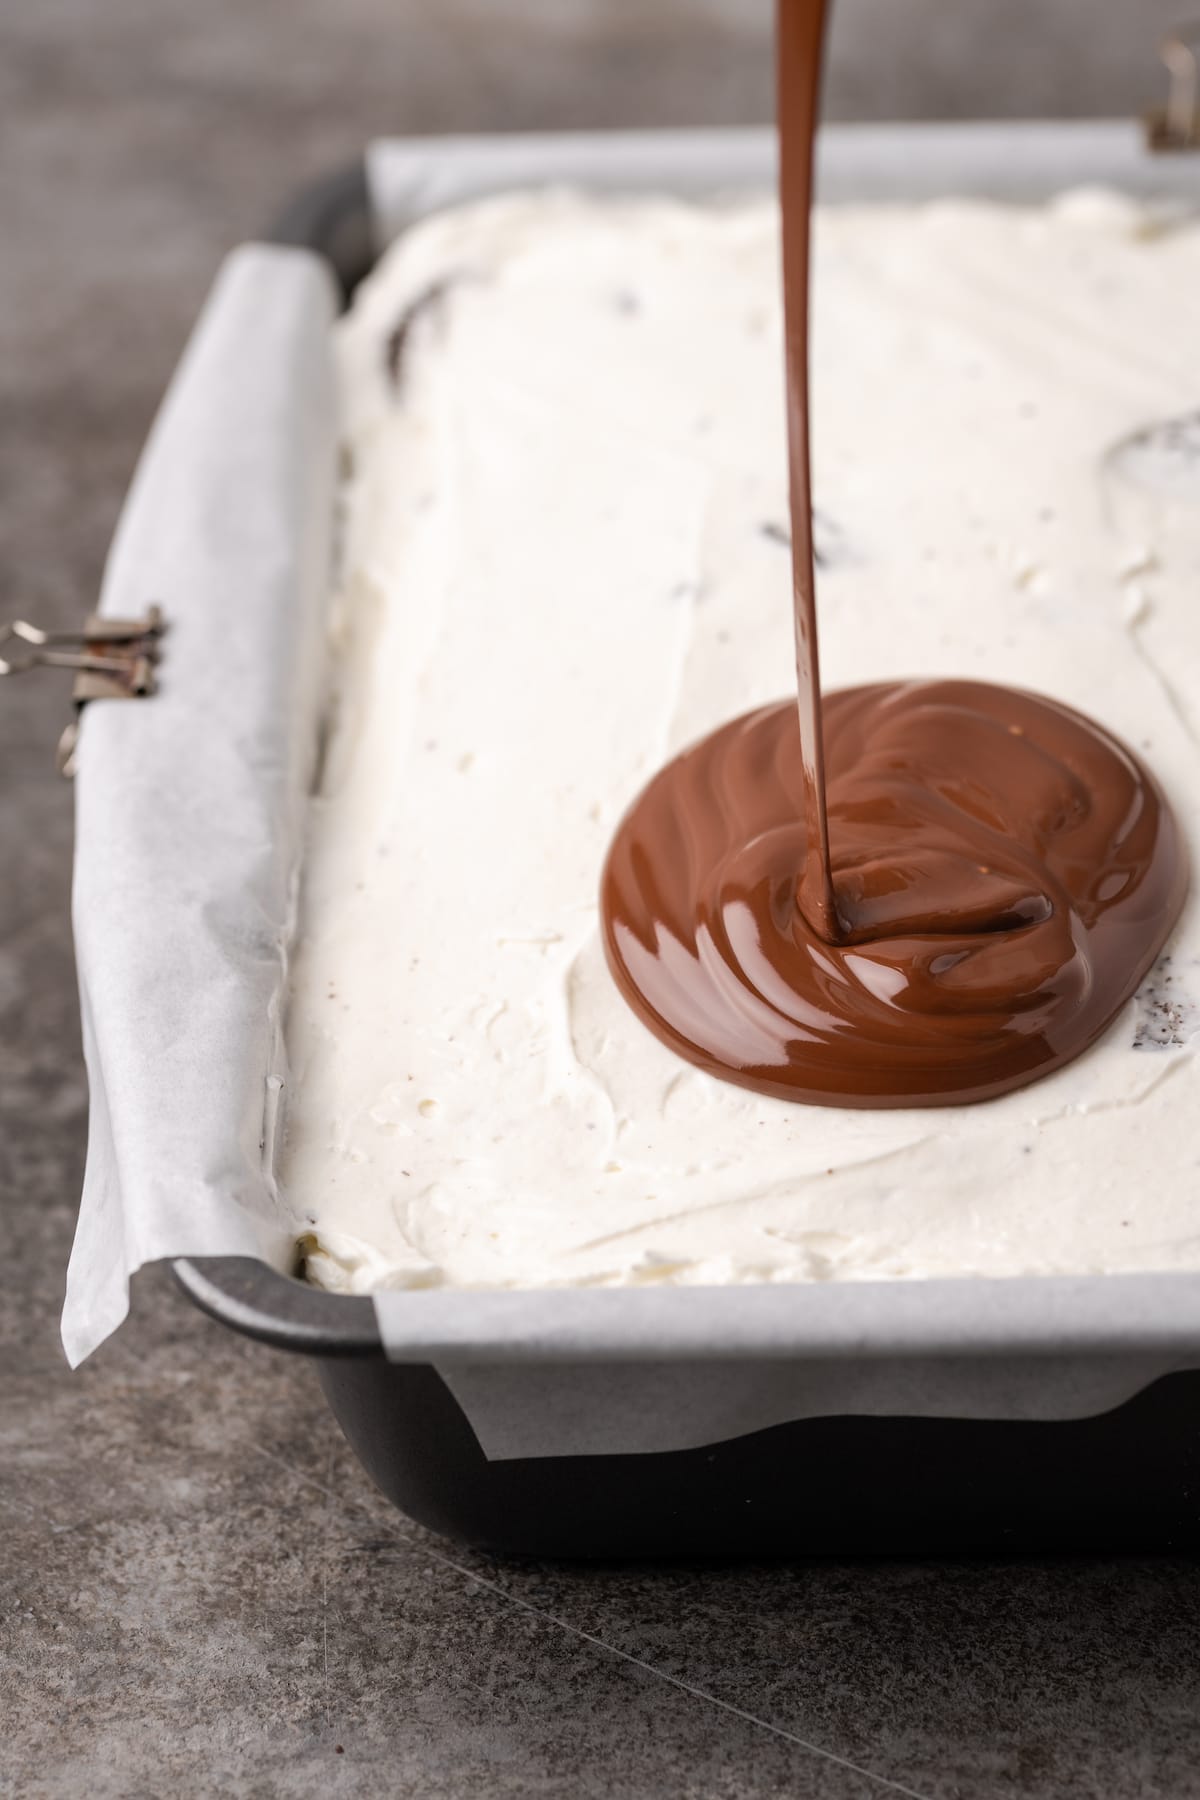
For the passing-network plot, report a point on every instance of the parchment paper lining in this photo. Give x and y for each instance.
(411, 177)
(190, 805)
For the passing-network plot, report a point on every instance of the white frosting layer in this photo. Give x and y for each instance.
(563, 561)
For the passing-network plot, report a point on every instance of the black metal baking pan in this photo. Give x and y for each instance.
(1127, 1478)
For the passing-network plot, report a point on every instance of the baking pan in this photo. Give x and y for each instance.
(1127, 1477)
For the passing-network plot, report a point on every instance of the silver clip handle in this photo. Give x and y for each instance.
(1176, 126)
(112, 659)
(98, 647)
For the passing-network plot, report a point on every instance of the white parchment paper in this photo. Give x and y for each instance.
(598, 1409)
(411, 177)
(590, 1372)
(189, 805)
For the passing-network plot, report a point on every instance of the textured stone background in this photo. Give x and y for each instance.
(199, 1591)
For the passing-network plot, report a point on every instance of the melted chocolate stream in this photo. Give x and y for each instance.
(800, 32)
(920, 893)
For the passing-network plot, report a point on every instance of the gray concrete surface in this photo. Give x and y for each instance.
(200, 1593)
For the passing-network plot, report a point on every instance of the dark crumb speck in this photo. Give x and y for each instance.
(829, 544)
(339, 1750)
(1165, 1020)
(1164, 457)
(425, 304)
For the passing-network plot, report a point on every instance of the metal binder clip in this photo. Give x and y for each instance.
(113, 659)
(1176, 126)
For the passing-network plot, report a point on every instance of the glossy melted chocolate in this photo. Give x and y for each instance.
(1006, 873)
(917, 894)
